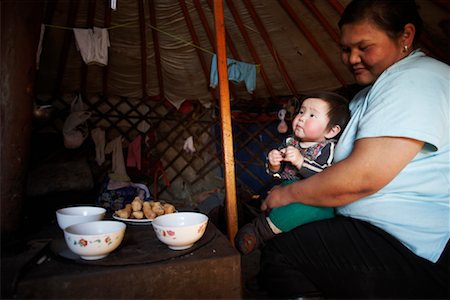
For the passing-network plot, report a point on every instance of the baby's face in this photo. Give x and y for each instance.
(310, 124)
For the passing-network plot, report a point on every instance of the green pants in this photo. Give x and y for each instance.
(292, 215)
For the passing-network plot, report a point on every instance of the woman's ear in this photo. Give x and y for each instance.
(334, 131)
(409, 31)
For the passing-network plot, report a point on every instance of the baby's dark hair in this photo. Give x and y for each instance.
(339, 112)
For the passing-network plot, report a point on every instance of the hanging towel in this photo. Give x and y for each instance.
(237, 72)
(93, 45)
(119, 172)
(98, 135)
(134, 153)
(189, 145)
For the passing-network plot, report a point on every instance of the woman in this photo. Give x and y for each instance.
(390, 180)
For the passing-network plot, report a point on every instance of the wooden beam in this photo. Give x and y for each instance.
(225, 113)
(337, 6)
(143, 48)
(322, 20)
(209, 34)
(205, 24)
(234, 52)
(265, 35)
(322, 54)
(155, 37)
(230, 43)
(252, 49)
(106, 23)
(196, 41)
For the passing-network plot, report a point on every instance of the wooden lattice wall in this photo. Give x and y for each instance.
(181, 176)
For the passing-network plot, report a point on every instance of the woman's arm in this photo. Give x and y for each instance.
(373, 163)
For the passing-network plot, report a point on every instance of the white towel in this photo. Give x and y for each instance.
(98, 135)
(189, 145)
(119, 172)
(93, 45)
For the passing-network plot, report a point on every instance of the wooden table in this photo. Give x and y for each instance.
(211, 269)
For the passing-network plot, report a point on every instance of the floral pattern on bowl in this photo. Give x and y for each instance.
(84, 243)
(171, 233)
(166, 233)
(94, 240)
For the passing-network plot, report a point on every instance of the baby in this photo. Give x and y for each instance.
(322, 117)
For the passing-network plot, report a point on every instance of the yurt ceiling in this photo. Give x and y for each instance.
(162, 49)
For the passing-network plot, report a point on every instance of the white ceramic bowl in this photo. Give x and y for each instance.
(79, 214)
(180, 230)
(94, 240)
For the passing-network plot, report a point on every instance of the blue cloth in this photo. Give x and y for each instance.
(410, 99)
(237, 72)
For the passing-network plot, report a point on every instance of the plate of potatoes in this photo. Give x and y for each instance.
(143, 212)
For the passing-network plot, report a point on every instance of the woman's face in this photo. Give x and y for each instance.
(368, 50)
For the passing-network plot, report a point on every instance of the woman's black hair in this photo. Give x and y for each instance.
(389, 15)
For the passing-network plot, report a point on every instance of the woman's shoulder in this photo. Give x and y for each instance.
(418, 62)
(417, 72)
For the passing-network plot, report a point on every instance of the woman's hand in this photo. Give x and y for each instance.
(294, 156)
(274, 198)
(279, 196)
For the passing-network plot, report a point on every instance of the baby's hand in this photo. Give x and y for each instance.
(275, 157)
(294, 156)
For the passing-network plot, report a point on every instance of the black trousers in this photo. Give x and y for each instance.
(347, 258)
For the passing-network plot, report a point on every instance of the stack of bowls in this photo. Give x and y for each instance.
(86, 234)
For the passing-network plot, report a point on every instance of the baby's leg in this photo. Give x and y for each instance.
(288, 217)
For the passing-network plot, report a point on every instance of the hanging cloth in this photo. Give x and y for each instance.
(98, 135)
(134, 153)
(237, 72)
(119, 172)
(93, 45)
(189, 145)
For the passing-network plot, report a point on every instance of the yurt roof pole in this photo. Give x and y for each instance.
(225, 114)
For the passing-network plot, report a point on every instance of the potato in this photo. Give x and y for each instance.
(138, 214)
(158, 209)
(139, 209)
(168, 208)
(136, 204)
(123, 213)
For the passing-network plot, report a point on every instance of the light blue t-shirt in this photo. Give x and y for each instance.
(410, 99)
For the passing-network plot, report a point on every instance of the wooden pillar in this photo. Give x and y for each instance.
(20, 29)
(225, 114)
